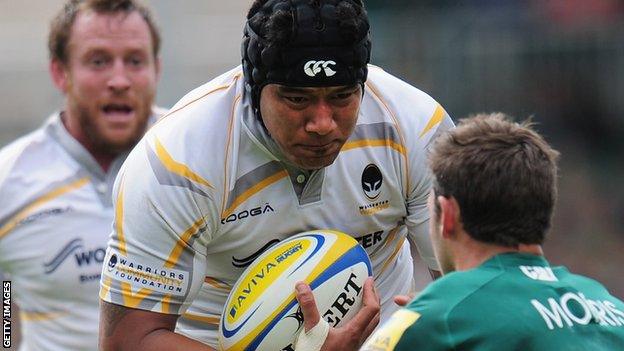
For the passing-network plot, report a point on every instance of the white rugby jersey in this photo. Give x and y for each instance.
(55, 219)
(205, 192)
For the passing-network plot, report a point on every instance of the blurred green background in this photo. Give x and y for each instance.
(559, 61)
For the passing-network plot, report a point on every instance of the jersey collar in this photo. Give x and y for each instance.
(514, 259)
(55, 128)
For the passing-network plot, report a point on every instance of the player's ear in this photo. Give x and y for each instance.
(449, 215)
(59, 74)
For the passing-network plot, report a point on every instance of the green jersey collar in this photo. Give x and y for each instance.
(514, 259)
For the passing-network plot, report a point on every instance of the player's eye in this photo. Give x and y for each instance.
(296, 99)
(343, 96)
(136, 61)
(98, 61)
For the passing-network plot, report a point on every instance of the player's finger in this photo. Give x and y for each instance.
(402, 300)
(307, 303)
(370, 296)
(370, 307)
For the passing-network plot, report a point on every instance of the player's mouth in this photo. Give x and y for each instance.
(118, 113)
(321, 149)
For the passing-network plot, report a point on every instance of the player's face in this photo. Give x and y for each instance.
(442, 252)
(310, 125)
(110, 80)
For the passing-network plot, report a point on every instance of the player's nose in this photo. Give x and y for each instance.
(119, 79)
(321, 119)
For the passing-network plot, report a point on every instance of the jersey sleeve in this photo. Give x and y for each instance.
(420, 120)
(420, 184)
(15, 194)
(163, 220)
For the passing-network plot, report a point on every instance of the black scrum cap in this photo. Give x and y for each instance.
(317, 51)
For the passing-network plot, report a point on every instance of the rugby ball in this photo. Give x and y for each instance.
(261, 312)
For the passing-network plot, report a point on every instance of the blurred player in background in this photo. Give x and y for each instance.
(491, 206)
(55, 183)
(296, 139)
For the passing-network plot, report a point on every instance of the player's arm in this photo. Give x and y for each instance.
(420, 246)
(160, 246)
(420, 186)
(123, 328)
(418, 237)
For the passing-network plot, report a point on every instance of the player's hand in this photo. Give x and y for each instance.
(350, 336)
(403, 300)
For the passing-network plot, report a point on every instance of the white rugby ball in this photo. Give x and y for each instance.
(261, 312)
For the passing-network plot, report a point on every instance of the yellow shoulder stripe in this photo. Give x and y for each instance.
(221, 87)
(255, 189)
(436, 118)
(372, 143)
(182, 242)
(28, 210)
(178, 168)
(227, 150)
(119, 217)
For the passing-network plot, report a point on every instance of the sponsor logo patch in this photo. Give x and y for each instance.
(146, 275)
(256, 211)
(262, 276)
(574, 308)
(371, 182)
(313, 67)
(372, 185)
(44, 214)
(370, 239)
(539, 273)
(75, 248)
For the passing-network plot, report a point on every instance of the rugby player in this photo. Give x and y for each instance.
(491, 205)
(56, 182)
(304, 135)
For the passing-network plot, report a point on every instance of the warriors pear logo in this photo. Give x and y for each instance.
(112, 262)
(371, 181)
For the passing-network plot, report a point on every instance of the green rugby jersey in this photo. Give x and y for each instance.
(511, 302)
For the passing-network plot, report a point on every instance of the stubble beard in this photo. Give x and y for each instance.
(100, 143)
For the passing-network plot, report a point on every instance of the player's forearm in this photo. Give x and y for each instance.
(421, 248)
(123, 328)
